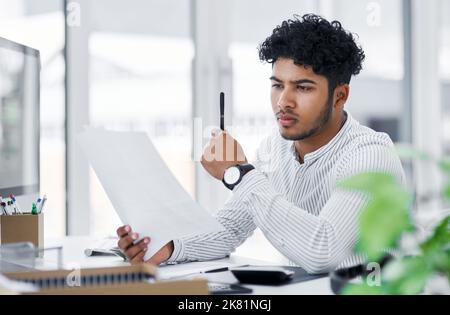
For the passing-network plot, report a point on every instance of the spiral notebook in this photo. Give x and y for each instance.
(141, 279)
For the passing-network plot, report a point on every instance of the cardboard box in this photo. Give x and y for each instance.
(22, 228)
(146, 285)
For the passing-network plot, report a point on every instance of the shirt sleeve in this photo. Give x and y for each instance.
(238, 225)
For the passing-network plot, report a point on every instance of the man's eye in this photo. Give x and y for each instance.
(304, 88)
(276, 86)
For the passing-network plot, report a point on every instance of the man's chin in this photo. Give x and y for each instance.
(290, 135)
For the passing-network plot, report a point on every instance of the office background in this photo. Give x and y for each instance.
(156, 65)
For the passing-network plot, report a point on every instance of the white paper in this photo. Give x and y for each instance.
(142, 189)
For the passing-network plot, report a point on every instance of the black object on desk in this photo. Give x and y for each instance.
(341, 277)
(273, 275)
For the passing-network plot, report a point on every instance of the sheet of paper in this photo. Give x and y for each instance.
(142, 189)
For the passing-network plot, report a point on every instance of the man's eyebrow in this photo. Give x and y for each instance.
(274, 78)
(304, 81)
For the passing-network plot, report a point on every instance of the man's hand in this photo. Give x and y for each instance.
(222, 152)
(135, 252)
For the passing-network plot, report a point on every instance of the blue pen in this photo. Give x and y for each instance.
(41, 206)
(38, 202)
(16, 204)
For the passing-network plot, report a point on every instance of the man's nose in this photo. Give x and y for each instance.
(286, 100)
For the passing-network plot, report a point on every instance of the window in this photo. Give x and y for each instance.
(251, 22)
(378, 25)
(41, 26)
(140, 79)
(444, 61)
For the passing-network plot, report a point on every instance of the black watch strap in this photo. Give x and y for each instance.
(243, 169)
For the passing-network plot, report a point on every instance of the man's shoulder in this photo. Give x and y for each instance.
(360, 137)
(368, 150)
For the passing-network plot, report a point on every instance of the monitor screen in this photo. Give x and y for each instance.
(19, 118)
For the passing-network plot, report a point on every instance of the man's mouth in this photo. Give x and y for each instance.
(286, 120)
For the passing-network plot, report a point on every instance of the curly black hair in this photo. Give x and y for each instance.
(311, 40)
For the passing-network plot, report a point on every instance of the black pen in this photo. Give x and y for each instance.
(204, 271)
(216, 270)
(222, 269)
(222, 111)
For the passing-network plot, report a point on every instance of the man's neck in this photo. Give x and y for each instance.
(328, 132)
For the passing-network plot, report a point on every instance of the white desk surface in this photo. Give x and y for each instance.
(74, 257)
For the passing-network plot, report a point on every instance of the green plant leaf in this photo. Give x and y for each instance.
(447, 192)
(436, 249)
(444, 164)
(381, 224)
(361, 289)
(383, 220)
(440, 237)
(386, 215)
(408, 275)
(445, 267)
(440, 262)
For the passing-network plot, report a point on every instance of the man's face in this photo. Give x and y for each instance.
(300, 100)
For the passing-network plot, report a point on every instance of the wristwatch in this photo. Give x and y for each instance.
(233, 175)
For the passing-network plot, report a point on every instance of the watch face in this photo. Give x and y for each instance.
(231, 175)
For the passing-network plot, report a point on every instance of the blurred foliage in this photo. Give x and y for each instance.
(386, 214)
(445, 166)
(383, 221)
(408, 152)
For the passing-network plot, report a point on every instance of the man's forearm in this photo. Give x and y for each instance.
(238, 226)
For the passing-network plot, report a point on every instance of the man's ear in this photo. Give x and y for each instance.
(341, 94)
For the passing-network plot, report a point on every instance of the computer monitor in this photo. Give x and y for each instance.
(19, 119)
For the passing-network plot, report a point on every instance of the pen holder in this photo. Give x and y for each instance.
(22, 228)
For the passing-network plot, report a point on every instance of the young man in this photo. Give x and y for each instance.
(290, 192)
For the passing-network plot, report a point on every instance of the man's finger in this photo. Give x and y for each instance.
(208, 153)
(138, 259)
(215, 132)
(123, 230)
(132, 251)
(127, 241)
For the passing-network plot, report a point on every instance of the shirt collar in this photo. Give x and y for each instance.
(312, 156)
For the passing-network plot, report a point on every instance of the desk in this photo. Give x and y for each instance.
(74, 257)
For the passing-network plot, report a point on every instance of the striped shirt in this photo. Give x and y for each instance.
(298, 206)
